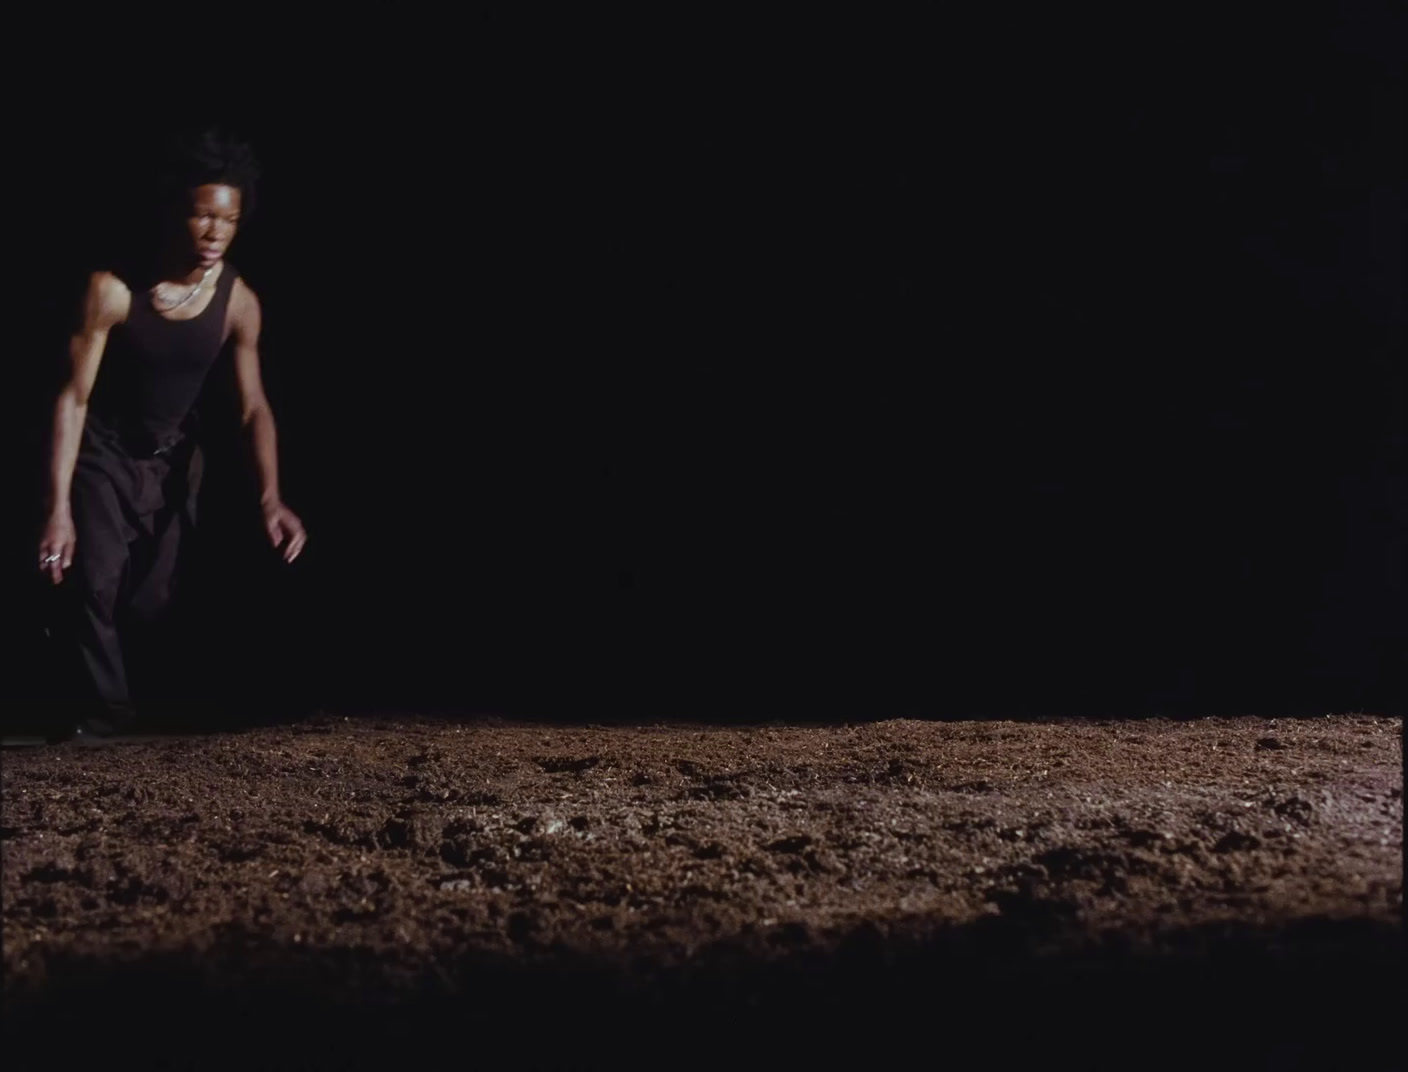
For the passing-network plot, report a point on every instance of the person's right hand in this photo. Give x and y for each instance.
(56, 545)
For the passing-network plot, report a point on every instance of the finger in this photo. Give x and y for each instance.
(296, 546)
(275, 534)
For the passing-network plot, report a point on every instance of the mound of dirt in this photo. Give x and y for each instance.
(350, 891)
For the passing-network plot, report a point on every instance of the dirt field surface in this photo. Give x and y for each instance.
(359, 892)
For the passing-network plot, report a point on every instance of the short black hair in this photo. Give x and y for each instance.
(208, 155)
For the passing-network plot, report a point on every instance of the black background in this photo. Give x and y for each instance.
(730, 370)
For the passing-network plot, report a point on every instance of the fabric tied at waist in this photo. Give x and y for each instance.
(146, 445)
(140, 442)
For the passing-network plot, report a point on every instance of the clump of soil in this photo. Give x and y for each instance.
(345, 891)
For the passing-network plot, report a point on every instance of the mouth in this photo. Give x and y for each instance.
(209, 254)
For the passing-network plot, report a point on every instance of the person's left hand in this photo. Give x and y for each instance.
(285, 530)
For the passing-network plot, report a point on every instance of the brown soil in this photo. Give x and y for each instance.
(358, 891)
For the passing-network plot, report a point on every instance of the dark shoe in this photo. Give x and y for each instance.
(90, 733)
(108, 720)
(113, 723)
(87, 737)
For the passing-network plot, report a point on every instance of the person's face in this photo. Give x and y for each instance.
(213, 218)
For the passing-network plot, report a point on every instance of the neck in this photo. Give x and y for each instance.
(177, 268)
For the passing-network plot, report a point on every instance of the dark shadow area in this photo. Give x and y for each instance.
(1007, 990)
(860, 389)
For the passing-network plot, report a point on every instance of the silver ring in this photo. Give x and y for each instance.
(51, 558)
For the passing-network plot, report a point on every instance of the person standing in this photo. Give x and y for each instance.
(125, 461)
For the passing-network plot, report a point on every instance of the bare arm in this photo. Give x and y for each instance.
(257, 418)
(105, 303)
(255, 415)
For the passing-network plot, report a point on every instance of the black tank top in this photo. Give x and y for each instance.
(153, 368)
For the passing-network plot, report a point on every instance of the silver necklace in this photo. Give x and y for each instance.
(172, 308)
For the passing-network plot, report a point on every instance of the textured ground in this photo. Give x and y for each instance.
(345, 891)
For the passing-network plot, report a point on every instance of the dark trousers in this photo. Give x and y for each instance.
(134, 512)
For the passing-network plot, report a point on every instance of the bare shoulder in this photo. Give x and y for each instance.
(242, 294)
(244, 307)
(107, 301)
